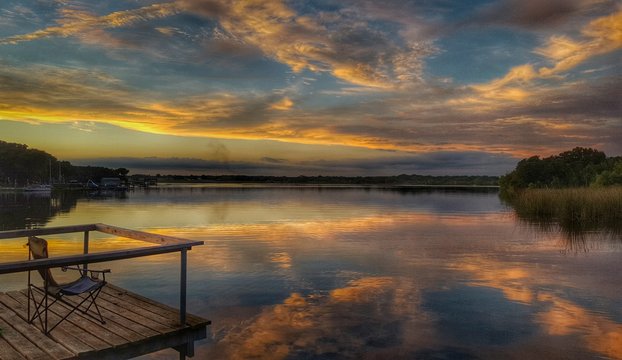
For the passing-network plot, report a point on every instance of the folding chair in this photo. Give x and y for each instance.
(90, 286)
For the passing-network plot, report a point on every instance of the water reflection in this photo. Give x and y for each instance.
(544, 292)
(364, 273)
(26, 210)
(585, 218)
(20, 210)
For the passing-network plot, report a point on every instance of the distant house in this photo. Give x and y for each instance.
(110, 183)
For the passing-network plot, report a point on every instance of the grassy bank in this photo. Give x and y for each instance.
(575, 210)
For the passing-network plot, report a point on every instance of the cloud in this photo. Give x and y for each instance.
(528, 13)
(75, 22)
(600, 36)
(283, 104)
(347, 46)
(217, 163)
(41, 90)
(376, 54)
(531, 15)
(349, 49)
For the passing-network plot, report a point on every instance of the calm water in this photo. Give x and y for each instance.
(288, 273)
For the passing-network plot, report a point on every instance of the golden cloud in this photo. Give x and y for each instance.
(283, 104)
(302, 42)
(601, 35)
(77, 22)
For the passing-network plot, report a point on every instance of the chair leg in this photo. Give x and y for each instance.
(93, 296)
(37, 308)
(40, 308)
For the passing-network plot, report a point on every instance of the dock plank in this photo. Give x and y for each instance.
(126, 302)
(85, 323)
(7, 352)
(121, 326)
(52, 348)
(84, 337)
(134, 315)
(60, 335)
(191, 319)
(21, 343)
(134, 326)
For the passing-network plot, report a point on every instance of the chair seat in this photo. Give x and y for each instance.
(82, 285)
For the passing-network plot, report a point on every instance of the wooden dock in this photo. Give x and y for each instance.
(134, 326)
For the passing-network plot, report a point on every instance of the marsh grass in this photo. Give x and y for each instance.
(579, 213)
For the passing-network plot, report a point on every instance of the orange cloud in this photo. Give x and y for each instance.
(601, 36)
(302, 42)
(76, 22)
(283, 104)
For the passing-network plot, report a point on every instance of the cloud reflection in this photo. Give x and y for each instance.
(343, 323)
(557, 315)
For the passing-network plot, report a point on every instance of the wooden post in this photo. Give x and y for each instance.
(86, 249)
(182, 290)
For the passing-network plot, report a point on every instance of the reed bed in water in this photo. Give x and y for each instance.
(575, 209)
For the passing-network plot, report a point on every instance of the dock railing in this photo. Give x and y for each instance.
(166, 244)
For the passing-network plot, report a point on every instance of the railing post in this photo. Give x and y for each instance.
(182, 290)
(85, 266)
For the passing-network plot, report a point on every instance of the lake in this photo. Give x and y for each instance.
(353, 273)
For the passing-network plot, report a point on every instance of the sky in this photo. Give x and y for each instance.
(348, 87)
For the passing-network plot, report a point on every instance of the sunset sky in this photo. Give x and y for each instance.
(311, 87)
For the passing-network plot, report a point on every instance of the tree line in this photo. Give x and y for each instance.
(21, 165)
(579, 167)
(339, 180)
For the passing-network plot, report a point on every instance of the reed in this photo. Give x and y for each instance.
(576, 211)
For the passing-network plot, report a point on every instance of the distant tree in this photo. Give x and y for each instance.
(122, 172)
(609, 177)
(21, 165)
(575, 168)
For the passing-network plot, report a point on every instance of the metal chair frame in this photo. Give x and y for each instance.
(42, 305)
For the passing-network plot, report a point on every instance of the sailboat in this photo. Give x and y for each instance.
(40, 188)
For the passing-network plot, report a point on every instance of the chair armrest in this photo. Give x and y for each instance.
(99, 271)
(94, 273)
(77, 268)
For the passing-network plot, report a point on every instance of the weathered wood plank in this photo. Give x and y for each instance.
(191, 319)
(46, 231)
(131, 315)
(85, 323)
(7, 352)
(59, 334)
(140, 309)
(144, 236)
(124, 327)
(121, 309)
(177, 338)
(52, 348)
(25, 265)
(89, 339)
(21, 343)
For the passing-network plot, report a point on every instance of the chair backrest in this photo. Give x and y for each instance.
(39, 250)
